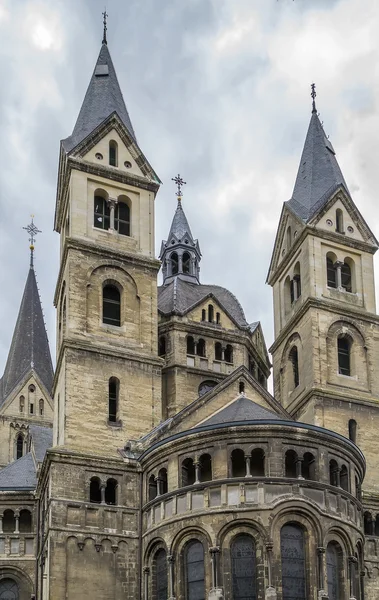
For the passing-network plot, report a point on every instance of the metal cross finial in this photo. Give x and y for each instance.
(313, 95)
(32, 231)
(105, 15)
(179, 182)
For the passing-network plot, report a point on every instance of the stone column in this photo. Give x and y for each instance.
(299, 468)
(338, 477)
(180, 263)
(171, 576)
(248, 465)
(320, 571)
(17, 519)
(1, 523)
(112, 205)
(338, 265)
(214, 552)
(197, 471)
(102, 492)
(223, 353)
(159, 487)
(372, 525)
(352, 573)
(146, 574)
(269, 549)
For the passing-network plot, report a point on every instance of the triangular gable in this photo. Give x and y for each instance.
(31, 377)
(280, 251)
(259, 342)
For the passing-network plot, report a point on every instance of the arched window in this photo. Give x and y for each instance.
(346, 279)
(367, 523)
(257, 463)
(9, 521)
(238, 463)
(297, 281)
(22, 404)
(95, 490)
(210, 313)
(353, 430)
(331, 273)
(25, 523)
(162, 345)
(242, 552)
(194, 570)
(333, 473)
(293, 562)
(200, 347)
(113, 158)
(153, 487)
(339, 221)
(122, 218)
(203, 314)
(309, 466)
(206, 386)
(218, 318)
(334, 569)
(9, 589)
(110, 492)
(290, 464)
(41, 407)
(241, 387)
(218, 351)
(294, 361)
(344, 347)
(101, 213)
(186, 263)
(162, 481)
(174, 263)
(344, 478)
(188, 472)
(205, 467)
(111, 305)
(113, 393)
(160, 575)
(289, 238)
(190, 345)
(19, 446)
(229, 353)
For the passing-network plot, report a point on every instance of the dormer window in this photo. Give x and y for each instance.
(113, 153)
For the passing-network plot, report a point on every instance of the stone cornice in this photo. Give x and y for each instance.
(350, 395)
(337, 308)
(106, 253)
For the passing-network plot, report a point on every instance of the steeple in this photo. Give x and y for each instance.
(103, 98)
(180, 254)
(29, 349)
(319, 174)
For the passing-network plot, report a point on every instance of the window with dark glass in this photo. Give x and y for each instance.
(188, 472)
(334, 568)
(292, 549)
(229, 353)
(331, 273)
(353, 430)
(344, 478)
(210, 313)
(218, 351)
(346, 277)
(194, 571)
(25, 522)
(9, 521)
(122, 218)
(186, 263)
(110, 492)
(343, 345)
(162, 481)
(257, 463)
(243, 563)
(309, 466)
(101, 213)
(200, 348)
(290, 464)
(292, 290)
(205, 467)
(113, 154)
(113, 390)
(203, 314)
(294, 360)
(19, 446)
(238, 463)
(153, 487)
(162, 345)
(190, 345)
(111, 306)
(160, 575)
(95, 490)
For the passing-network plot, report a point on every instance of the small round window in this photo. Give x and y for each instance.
(32, 388)
(99, 156)
(350, 229)
(127, 164)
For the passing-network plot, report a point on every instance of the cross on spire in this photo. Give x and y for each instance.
(179, 182)
(32, 231)
(105, 15)
(313, 95)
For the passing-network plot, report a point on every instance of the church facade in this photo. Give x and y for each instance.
(154, 464)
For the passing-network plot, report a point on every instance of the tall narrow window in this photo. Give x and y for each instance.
(346, 280)
(257, 463)
(162, 346)
(294, 360)
(174, 263)
(41, 407)
(218, 318)
(205, 467)
(293, 562)
(160, 574)
(309, 466)
(9, 521)
(113, 153)
(19, 446)
(186, 263)
(344, 478)
(190, 345)
(122, 218)
(289, 238)
(218, 351)
(22, 404)
(95, 490)
(101, 215)
(210, 313)
(25, 522)
(229, 353)
(353, 430)
(297, 281)
(200, 347)
(331, 273)
(339, 221)
(188, 472)
(334, 568)
(344, 346)
(110, 492)
(203, 314)
(242, 553)
(111, 306)
(194, 571)
(238, 463)
(292, 291)
(113, 391)
(290, 464)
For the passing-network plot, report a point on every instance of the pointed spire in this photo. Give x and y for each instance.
(102, 99)
(180, 254)
(319, 174)
(29, 349)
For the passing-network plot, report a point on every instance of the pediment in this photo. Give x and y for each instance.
(289, 229)
(99, 154)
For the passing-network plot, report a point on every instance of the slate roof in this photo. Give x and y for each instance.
(180, 226)
(319, 174)
(178, 297)
(241, 409)
(19, 475)
(42, 438)
(103, 98)
(30, 347)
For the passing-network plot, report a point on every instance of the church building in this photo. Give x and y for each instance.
(153, 463)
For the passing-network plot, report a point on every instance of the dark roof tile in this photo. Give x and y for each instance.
(241, 409)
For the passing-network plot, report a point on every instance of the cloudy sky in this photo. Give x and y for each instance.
(217, 90)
